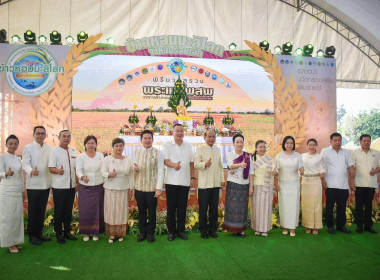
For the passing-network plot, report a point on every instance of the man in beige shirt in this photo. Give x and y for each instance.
(367, 165)
(208, 162)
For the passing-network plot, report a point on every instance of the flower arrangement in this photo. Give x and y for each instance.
(227, 121)
(208, 120)
(151, 118)
(133, 119)
(192, 218)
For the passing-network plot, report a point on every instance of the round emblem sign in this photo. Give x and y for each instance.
(31, 70)
(176, 66)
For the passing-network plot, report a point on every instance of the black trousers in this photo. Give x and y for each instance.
(37, 200)
(176, 204)
(338, 196)
(363, 198)
(208, 200)
(63, 207)
(147, 204)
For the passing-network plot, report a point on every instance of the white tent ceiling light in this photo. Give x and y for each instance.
(222, 21)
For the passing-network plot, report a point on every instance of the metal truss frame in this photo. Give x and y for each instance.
(337, 25)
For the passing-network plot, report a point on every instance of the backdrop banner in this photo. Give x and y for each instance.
(112, 91)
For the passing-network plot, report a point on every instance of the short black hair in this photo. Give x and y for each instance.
(145, 132)
(38, 126)
(88, 138)
(117, 140)
(59, 135)
(312, 140)
(236, 136)
(177, 124)
(12, 136)
(335, 134)
(286, 139)
(364, 136)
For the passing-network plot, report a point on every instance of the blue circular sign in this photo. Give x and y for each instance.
(176, 66)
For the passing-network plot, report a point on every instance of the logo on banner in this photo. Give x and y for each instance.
(31, 70)
(176, 66)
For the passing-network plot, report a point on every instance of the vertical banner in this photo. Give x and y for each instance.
(316, 83)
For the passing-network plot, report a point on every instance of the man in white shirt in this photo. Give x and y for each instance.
(149, 168)
(339, 167)
(367, 166)
(179, 159)
(208, 162)
(64, 182)
(35, 159)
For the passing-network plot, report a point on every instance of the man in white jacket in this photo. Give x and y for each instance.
(35, 159)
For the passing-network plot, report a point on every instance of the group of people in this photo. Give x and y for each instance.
(105, 184)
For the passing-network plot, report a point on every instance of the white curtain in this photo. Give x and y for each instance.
(222, 21)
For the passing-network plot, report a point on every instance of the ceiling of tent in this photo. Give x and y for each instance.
(222, 21)
(362, 16)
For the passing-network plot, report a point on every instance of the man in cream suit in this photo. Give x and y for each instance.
(208, 162)
(35, 159)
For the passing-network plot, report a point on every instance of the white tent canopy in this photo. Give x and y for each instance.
(222, 21)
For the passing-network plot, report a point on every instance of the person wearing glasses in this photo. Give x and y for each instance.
(35, 160)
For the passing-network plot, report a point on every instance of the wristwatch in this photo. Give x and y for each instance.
(193, 178)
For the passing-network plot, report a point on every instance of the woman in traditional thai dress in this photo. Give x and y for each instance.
(288, 164)
(117, 172)
(11, 197)
(240, 177)
(261, 207)
(91, 192)
(311, 189)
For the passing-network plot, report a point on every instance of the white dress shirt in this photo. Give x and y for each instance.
(175, 153)
(66, 158)
(90, 167)
(35, 155)
(336, 167)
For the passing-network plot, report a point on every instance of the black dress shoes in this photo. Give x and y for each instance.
(344, 229)
(204, 235)
(142, 237)
(171, 236)
(60, 239)
(331, 230)
(35, 241)
(69, 236)
(371, 230)
(239, 235)
(44, 238)
(213, 234)
(151, 238)
(359, 230)
(183, 236)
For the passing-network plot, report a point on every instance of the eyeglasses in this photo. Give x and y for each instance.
(40, 133)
